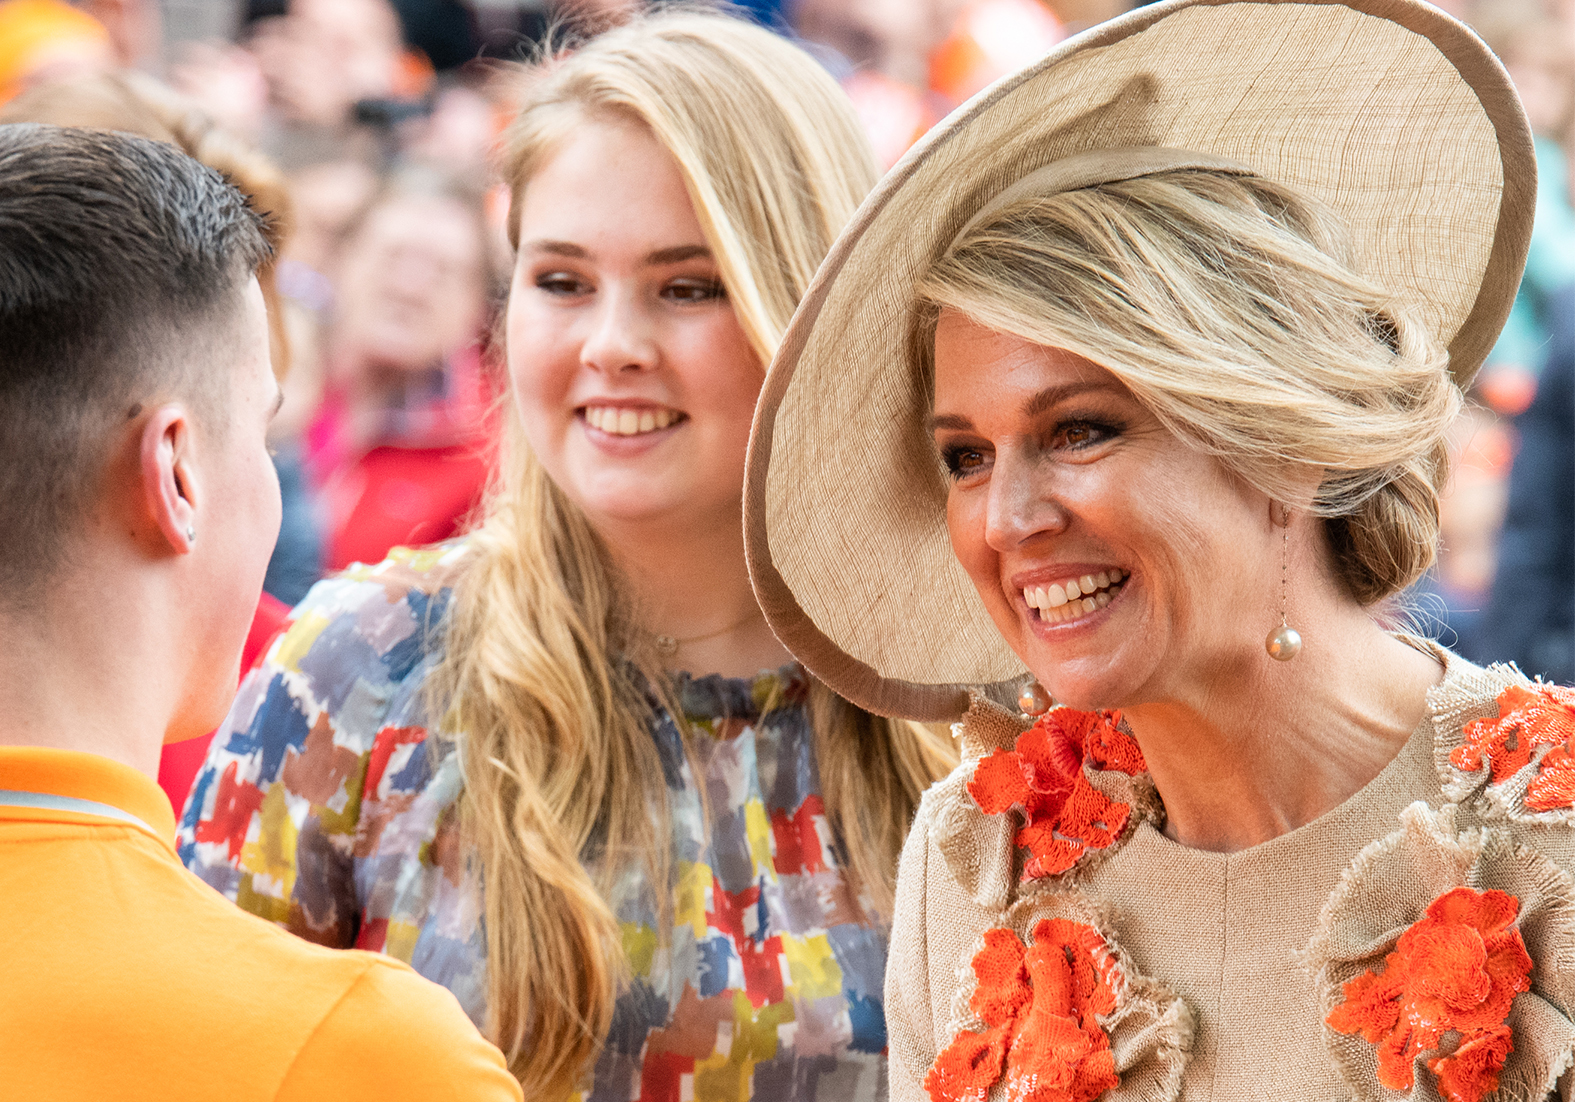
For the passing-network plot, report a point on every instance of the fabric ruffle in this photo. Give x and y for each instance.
(1504, 746)
(1050, 1008)
(1400, 907)
(1065, 792)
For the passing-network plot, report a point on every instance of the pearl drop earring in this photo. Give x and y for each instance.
(1033, 700)
(1284, 642)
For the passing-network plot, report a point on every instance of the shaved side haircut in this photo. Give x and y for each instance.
(123, 267)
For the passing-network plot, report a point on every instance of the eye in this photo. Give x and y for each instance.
(1077, 435)
(561, 284)
(962, 460)
(694, 290)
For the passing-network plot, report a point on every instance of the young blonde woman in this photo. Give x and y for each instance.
(645, 867)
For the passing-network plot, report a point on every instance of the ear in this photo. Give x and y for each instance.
(168, 469)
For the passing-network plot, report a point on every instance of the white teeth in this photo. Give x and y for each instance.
(1079, 597)
(628, 422)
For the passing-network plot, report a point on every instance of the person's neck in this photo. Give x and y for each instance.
(691, 585)
(83, 671)
(1260, 748)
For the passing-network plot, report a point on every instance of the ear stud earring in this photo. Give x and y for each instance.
(191, 534)
(1284, 642)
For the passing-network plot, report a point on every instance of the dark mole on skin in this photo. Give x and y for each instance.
(136, 409)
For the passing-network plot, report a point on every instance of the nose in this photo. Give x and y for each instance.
(1021, 503)
(622, 335)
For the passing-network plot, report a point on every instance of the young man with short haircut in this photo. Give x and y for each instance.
(138, 508)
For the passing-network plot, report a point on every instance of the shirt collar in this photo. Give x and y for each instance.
(78, 780)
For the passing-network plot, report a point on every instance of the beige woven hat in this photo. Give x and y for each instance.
(1389, 111)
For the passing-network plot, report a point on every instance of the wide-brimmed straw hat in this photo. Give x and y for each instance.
(1390, 112)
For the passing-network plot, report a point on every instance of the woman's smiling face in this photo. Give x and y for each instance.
(634, 380)
(1061, 481)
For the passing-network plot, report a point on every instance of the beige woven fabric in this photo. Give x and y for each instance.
(1388, 111)
(1255, 944)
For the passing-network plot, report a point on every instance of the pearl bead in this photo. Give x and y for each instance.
(1283, 643)
(1033, 700)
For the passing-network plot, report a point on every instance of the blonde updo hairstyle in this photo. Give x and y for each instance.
(547, 676)
(1229, 305)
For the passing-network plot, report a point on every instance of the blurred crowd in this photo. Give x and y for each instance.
(366, 126)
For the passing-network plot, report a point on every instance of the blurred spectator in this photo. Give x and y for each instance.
(399, 448)
(324, 56)
(1531, 618)
(1537, 53)
(135, 27)
(47, 40)
(990, 39)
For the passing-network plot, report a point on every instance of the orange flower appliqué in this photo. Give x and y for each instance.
(1040, 1005)
(1458, 968)
(1066, 816)
(1529, 716)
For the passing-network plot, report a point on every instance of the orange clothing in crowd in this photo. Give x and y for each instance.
(128, 978)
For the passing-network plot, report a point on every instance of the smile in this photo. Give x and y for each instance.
(622, 421)
(1075, 597)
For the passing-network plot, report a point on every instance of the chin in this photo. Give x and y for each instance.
(1085, 683)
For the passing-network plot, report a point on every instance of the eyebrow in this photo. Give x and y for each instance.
(670, 255)
(1048, 398)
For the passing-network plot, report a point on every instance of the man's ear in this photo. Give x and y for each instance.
(169, 482)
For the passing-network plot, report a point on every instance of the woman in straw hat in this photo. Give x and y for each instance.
(1137, 374)
(645, 867)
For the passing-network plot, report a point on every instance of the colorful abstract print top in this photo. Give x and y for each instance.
(324, 806)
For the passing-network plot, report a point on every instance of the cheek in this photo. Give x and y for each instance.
(541, 364)
(965, 520)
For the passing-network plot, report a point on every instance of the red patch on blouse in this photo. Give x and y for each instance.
(1065, 815)
(233, 807)
(1529, 716)
(1040, 1005)
(1458, 968)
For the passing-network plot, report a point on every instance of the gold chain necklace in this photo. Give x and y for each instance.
(667, 645)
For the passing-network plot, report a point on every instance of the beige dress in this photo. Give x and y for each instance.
(1219, 970)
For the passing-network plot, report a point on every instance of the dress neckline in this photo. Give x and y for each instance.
(1418, 747)
(713, 696)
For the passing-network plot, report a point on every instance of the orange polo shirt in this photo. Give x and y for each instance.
(123, 976)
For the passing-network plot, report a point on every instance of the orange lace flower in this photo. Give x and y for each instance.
(1041, 1006)
(1065, 815)
(1458, 968)
(1529, 716)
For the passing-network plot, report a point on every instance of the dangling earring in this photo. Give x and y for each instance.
(1284, 642)
(1033, 700)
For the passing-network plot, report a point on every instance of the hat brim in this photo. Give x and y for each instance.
(1390, 112)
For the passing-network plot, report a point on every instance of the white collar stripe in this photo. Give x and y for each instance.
(49, 802)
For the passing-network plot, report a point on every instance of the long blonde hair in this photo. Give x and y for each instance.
(545, 681)
(1229, 306)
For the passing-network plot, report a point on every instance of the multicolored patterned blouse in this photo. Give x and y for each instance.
(324, 807)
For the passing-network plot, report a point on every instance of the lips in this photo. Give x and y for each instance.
(1071, 598)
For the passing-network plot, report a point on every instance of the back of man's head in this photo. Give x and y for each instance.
(123, 265)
